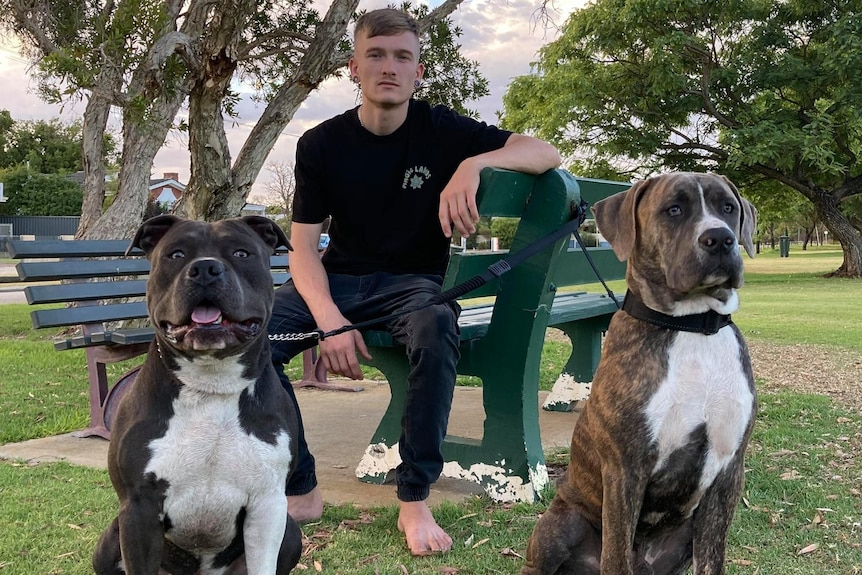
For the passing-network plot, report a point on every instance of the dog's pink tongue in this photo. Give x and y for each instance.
(205, 315)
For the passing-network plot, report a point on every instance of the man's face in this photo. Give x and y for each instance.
(387, 67)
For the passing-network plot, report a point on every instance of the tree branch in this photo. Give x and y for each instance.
(245, 50)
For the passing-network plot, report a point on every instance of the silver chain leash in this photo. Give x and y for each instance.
(293, 336)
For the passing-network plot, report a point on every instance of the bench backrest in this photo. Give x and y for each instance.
(542, 203)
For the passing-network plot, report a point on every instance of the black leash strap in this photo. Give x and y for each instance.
(495, 270)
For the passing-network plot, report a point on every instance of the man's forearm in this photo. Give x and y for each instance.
(521, 154)
(309, 277)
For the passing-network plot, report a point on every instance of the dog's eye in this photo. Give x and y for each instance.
(240, 254)
(674, 211)
(728, 208)
(177, 255)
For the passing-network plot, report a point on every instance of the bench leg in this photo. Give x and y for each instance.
(314, 374)
(507, 462)
(98, 386)
(381, 457)
(574, 382)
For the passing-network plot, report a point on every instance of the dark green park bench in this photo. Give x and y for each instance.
(501, 341)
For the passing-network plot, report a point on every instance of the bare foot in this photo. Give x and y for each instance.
(424, 536)
(306, 507)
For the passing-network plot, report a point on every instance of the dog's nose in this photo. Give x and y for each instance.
(206, 271)
(717, 241)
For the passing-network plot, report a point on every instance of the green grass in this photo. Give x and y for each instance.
(803, 481)
(804, 472)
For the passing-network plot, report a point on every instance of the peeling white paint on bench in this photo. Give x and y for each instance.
(566, 392)
(497, 480)
(377, 460)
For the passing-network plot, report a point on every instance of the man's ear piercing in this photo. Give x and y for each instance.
(416, 83)
(354, 79)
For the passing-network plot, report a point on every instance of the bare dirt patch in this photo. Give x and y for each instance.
(818, 369)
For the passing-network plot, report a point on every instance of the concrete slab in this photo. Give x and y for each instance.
(338, 426)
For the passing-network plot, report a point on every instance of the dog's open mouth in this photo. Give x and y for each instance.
(209, 328)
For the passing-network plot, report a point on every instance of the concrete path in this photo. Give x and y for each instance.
(338, 427)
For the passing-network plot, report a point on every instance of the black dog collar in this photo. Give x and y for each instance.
(707, 323)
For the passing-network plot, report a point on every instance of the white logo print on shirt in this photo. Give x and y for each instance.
(415, 177)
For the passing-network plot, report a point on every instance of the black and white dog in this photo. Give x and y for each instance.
(203, 441)
(656, 464)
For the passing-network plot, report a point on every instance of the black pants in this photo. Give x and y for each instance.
(431, 338)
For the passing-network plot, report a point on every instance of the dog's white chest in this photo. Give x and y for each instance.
(705, 386)
(214, 468)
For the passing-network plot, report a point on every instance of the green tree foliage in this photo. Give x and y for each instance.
(449, 78)
(48, 147)
(34, 194)
(504, 230)
(765, 90)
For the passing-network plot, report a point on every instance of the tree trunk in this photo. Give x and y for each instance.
(318, 63)
(93, 129)
(843, 231)
(142, 139)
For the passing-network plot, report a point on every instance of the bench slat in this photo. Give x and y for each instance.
(81, 269)
(132, 336)
(83, 291)
(60, 317)
(22, 249)
(574, 268)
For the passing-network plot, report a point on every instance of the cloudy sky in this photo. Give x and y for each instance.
(502, 35)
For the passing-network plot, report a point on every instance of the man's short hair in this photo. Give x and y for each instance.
(385, 22)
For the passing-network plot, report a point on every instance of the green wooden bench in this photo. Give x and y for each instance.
(106, 288)
(502, 341)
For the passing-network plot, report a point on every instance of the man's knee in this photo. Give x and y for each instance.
(434, 325)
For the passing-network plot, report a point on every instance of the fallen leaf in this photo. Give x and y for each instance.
(404, 569)
(782, 453)
(448, 570)
(808, 549)
(481, 542)
(469, 541)
(318, 566)
(789, 475)
(742, 562)
(818, 518)
(509, 552)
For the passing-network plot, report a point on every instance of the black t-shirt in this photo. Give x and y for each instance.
(383, 192)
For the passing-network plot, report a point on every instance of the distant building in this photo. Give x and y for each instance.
(168, 190)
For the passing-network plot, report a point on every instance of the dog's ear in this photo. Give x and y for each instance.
(268, 230)
(616, 218)
(747, 219)
(151, 232)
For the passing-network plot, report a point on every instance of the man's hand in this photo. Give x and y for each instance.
(338, 352)
(458, 201)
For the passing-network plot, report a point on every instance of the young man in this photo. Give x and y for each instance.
(395, 175)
